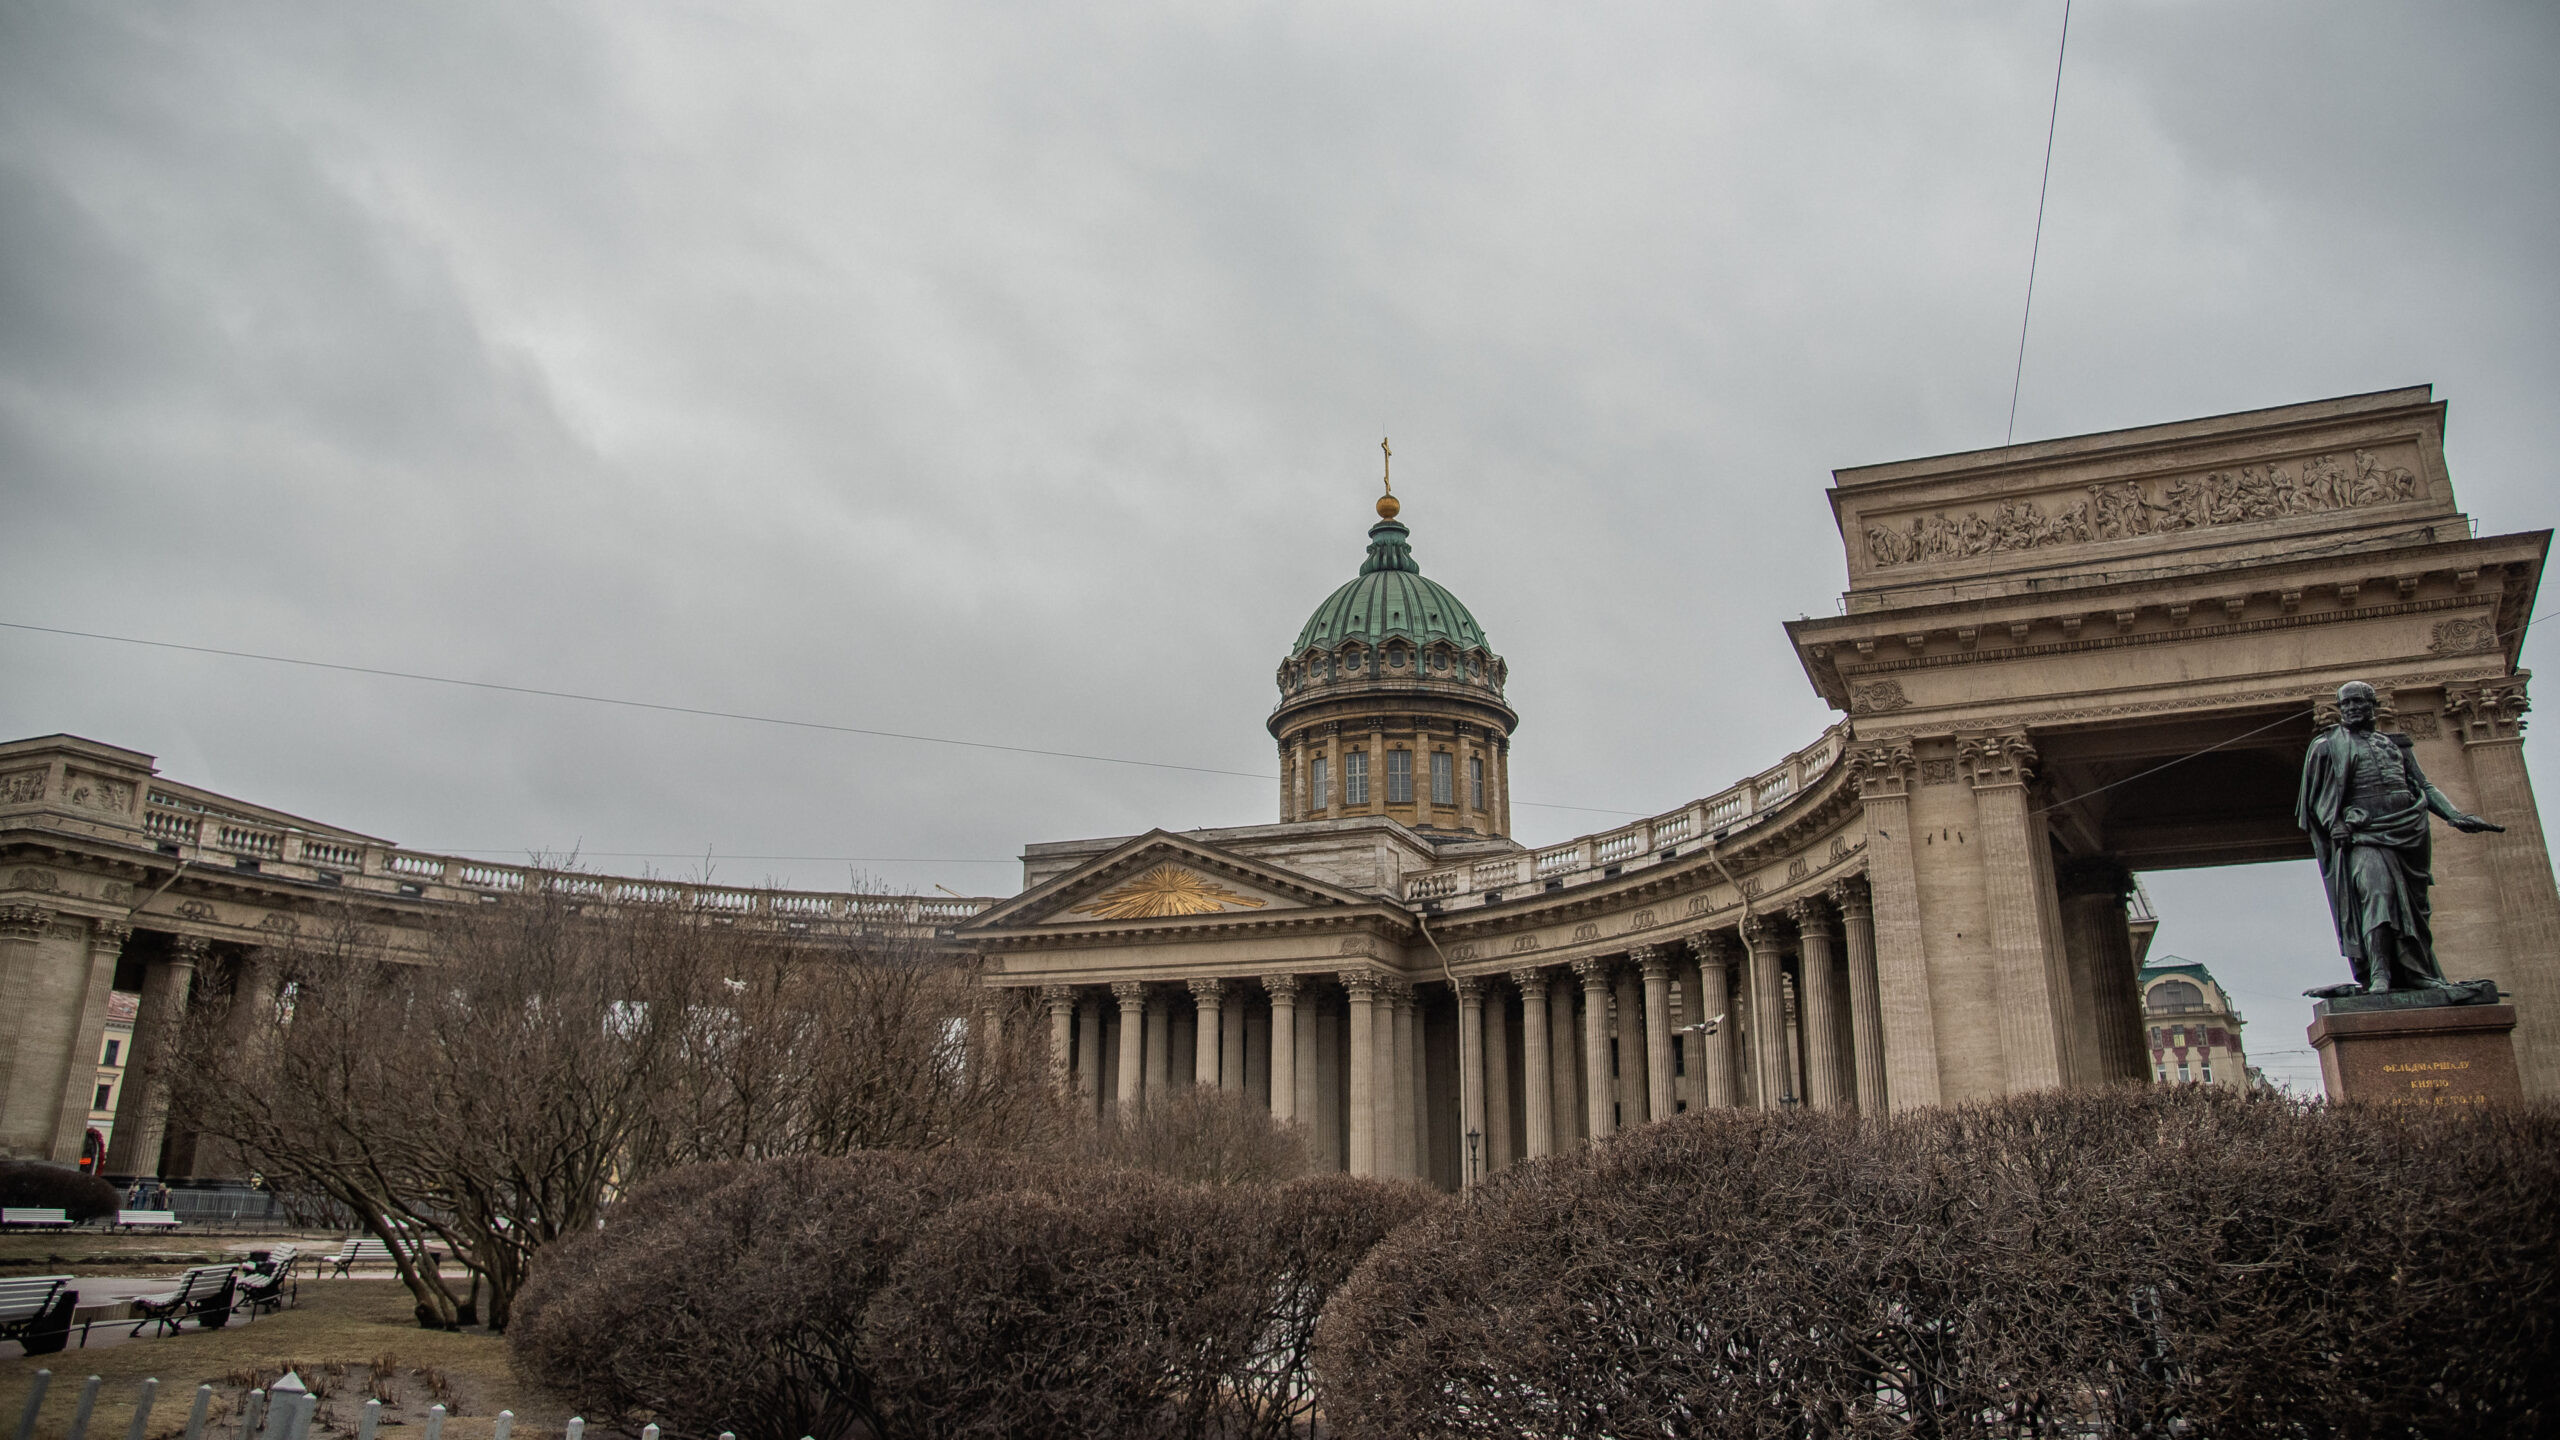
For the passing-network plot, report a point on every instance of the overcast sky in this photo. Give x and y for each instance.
(1017, 375)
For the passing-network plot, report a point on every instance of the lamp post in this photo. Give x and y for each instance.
(1475, 1138)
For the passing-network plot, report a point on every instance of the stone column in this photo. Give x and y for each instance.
(1627, 1016)
(1061, 1000)
(1771, 1081)
(1471, 1086)
(1159, 1045)
(1231, 1046)
(1089, 1054)
(1537, 1089)
(35, 1021)
(1363, 1106)
(1827, 1084)
(1563, 1070)
(1210, 994)
(1866, 1019)
(2490, 720)
(1714, 952)
(1598, 1087)
(1910, 1033)
(1499, 1147)
(2100, 948)
(2033, 1001)
(1132, 996)
(1314, 1058)
(1256, 1062)
(1401, 1126)
(87, 1038)
(142, 1120)
(1283, 990)
(1655, 963)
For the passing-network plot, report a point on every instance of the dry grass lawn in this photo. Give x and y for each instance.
(345, 1338)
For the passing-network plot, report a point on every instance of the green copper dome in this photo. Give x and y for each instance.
(1389, 597)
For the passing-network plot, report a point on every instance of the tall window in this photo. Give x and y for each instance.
(112, 1047)
(2208, 1074)
(106, 1092)
(1475, 781)
(1444, 785)
(1399, 777)
(2182, 1072)
(1355, 778)
(1319, 784)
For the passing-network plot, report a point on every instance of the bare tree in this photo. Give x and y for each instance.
(494, 1094)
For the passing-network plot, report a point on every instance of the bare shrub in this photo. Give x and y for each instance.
(2128, 1263)
(1202, 1135)
(56, 1187)
(951, 1293)
(738, 1305)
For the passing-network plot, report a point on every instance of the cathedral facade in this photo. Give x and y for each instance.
(2055, 665)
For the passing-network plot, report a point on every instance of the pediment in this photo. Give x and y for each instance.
(1160, 877)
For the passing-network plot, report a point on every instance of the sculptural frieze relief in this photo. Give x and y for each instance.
(20, 787)
(2463, 637)
(96, 792)
(1878, 697)
(2128, 509)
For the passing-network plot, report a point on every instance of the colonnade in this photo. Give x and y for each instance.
(1450, 1080)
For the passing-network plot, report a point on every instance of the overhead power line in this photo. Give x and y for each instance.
(703, 712)
(2036, 250)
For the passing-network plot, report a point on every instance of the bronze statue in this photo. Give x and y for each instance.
(2366, 805)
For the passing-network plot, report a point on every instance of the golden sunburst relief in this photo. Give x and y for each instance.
(1164, 890)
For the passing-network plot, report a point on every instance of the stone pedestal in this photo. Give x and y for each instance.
(2439, 1055)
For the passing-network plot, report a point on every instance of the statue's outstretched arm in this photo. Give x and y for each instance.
(2436, 801)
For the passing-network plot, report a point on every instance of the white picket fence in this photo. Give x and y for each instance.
(285, 1416)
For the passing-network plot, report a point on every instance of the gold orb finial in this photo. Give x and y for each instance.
(1387, 506)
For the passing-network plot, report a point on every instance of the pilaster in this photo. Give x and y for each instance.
(86, 1038)
(2032, 999)
(1910, 1032)
(2491, 722)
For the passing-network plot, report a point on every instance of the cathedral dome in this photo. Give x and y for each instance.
(1391, 702)
(1389, 597)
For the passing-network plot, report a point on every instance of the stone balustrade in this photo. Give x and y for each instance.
(1646, 842)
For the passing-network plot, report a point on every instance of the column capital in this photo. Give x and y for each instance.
(1595, 971)
(1653, 961)
(1059, 996)
(1756, 931)
(1532, 980)
(1882, 768)
(1363, 984)
(109, 934)
(1395, 988)
(1469, 987)
(1812, 917)
(1994, 761)
(2486, 714)
(1129, 992)
(24, 922)
(1282, 987)
(190, 949)
(1712, 947)
(1854, 900)
(1210, 989)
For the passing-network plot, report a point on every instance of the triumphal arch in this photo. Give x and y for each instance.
(2056, 665)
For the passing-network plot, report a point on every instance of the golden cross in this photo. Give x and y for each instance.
(1390, 474)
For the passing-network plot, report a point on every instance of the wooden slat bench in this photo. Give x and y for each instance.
(34, 1217)
(35, 1311)
(204, 1295)
(268, 1285)
(364, 1250)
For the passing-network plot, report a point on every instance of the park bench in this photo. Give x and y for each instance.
(35, 1311)
(204, 1295)
(146, 1219)
(34, 1216)
(366, 1251)
(268, 1285)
